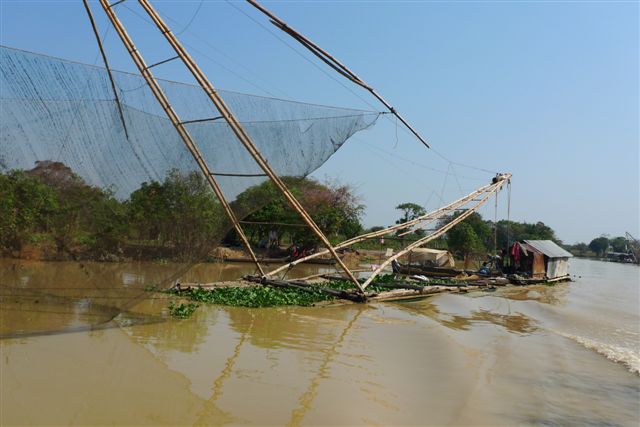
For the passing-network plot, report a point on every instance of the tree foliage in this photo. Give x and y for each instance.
(334, 208)
(512, 231)
(50, 199)
(472, 235)
(181, 213)
(409, 211)
(25, 208)
(618, 244)
(599, 245)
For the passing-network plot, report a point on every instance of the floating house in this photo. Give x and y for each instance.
(541, 259)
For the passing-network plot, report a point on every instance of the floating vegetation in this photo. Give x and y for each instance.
(182, 311)
(268, 296)
(256, 296)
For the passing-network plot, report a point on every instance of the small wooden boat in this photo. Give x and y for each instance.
(424, 270)
(518, 280)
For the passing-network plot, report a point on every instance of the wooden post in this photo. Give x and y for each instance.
(240, 133)
(180, 128)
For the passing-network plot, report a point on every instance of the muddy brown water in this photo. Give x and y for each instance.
(562, 355)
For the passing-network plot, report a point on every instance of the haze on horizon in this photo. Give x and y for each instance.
(547, 91)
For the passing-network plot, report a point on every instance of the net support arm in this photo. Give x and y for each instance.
(179, 126)
(497, 186)
(106, 64)
(431, 216)
(332, 62)
(240, 133)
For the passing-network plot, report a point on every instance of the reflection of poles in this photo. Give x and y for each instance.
(210, 405)
(178, 124)
(240, 133)
(312, 391)
(305, 399)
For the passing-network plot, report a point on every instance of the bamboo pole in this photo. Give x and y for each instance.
(238, 130)
(427, 217)
(106, 65)
(333, 63)
(498, 185)
(175, 120)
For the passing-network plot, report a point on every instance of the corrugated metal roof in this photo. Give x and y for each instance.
(549, 248)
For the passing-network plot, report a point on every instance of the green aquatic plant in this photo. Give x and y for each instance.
(267, 296)
(152, 288)
(182, 311)
(256, 296)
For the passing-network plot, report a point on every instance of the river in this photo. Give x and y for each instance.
(562, 355)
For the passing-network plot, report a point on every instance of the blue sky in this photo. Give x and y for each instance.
(546, 90)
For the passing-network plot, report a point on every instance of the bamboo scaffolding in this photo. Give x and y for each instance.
(333, 63)
(238, 130)
(498, 185)
(431, 216)
(106, 65)
(175, 120)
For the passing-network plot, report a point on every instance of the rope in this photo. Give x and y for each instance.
(455, 175)
(301, 55)
(103, 39)
(356, 138)
(231, 59)
(186, 27)
(508, 212)
(244, 79)
(495, 227)
(444, 182)
(443, 157)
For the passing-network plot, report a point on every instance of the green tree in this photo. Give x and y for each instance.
(599, 245)
(409, 211)
(618, 244)
(464, 240)
(25, 207)
(512, 231)
(181, 213)
(579, 249)
(86, 218)
(334, 208)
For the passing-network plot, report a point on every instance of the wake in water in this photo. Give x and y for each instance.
(626, 356)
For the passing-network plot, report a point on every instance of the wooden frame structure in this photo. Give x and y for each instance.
(493, 189)
(228, 116)
(480, 195)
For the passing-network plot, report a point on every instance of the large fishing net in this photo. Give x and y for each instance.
(109, 164)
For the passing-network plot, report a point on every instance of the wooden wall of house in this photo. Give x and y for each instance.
(538, 269)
